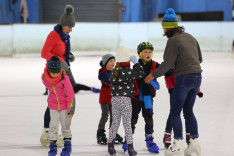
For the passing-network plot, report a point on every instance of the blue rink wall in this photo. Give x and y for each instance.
(136, 10)
(10, 12)
(146, 10)
(30, 38)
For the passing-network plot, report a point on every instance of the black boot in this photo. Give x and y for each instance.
(46, 92)
(101, 137)
(131, 150)
(111, 148)
(118, 139)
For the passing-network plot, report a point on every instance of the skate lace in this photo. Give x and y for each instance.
(150, 139)
(52, 148)
(65, 149)
(167, 139)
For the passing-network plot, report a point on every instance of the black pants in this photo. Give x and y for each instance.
(47, 118)
(106, 109)
(137, 107)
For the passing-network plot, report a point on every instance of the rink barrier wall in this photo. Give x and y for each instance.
(30, 38)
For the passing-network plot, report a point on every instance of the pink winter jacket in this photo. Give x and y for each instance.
(61, 94)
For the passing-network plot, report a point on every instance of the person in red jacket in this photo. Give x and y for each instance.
(58, 44)
(107, 64)
(170, 82)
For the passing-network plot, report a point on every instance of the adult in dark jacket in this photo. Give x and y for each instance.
(183, 51)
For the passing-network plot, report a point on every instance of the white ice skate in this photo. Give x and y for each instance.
(60, 140)
(45, 137)
(193, 147)
(176, 149)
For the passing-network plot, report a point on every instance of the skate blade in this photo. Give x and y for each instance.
(102, 143)
(153, 151)
(167, 145)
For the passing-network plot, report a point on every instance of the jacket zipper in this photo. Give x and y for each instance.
(56, 96)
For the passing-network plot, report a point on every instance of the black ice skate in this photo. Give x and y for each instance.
(167, 139)
(111, 148)
(118, 139)
(131, 150)
(101, 137)
(187, 138)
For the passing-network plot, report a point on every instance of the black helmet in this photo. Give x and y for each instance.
(144, 45)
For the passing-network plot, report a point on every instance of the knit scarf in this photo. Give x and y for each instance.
(66, 39)
(52, 80)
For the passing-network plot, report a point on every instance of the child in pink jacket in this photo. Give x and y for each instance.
(61, 103)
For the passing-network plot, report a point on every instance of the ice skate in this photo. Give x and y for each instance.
(125, 146)
(60, 140)
(111, 148)
(53, 149)
(167, 139)
(66, 149)
(176, 149)
(193, 147)
(187, 138)
(101, 137)
(118, 139)
(131, 150)
(45, 137)
(152, 147)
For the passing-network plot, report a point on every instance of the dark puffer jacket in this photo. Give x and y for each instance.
(124, 84)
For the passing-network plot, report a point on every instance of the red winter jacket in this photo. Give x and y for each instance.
(53, 46)
(170, 82)
(104, 77)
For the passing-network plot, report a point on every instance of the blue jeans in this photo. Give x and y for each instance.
(183, 97)
(169, 121)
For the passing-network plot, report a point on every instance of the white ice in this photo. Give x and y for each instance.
(22, 107)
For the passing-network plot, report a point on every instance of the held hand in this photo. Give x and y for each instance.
(70, 115)
(149, 78)
(71, 58)
(200, 94)
(133, 59)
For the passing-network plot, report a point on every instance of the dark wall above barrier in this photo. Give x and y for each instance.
(146, 10)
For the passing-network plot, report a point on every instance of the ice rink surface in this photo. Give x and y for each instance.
(22, 107)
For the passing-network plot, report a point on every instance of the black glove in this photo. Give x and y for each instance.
(170, 90)
(71, 57)
(200, 94)
(64, 65)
